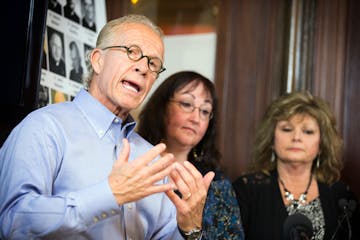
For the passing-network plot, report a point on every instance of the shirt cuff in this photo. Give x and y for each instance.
(97, 203)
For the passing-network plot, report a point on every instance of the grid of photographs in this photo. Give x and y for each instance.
(71, 33)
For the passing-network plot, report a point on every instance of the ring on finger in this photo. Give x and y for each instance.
(187, 196)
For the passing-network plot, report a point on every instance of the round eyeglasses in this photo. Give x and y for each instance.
(135, 53)
(188, 107)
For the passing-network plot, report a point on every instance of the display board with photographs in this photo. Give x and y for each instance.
(71, 32)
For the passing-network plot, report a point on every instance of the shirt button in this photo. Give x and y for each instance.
(116, 120)
(130, 207)
(113, 212)
(95, 219)
(104, 215)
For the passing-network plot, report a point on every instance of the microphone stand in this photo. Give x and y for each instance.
(348, 207)
(339, 225)
(349, 226)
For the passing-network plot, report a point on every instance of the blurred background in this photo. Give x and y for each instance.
(253, 50)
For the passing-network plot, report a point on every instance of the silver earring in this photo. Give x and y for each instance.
(195, 154)
(318, 161)
(272, 159)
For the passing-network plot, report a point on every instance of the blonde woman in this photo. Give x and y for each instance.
(297, 166)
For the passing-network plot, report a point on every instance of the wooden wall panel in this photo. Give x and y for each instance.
(336, 75)
(115, 9)
(351, 107)
(329, 54)
(248, 72)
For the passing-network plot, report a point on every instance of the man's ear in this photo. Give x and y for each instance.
(97, 60)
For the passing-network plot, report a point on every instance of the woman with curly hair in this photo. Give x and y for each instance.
(296, 170)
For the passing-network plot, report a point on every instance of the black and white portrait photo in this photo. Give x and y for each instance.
(70, 11)
(88, 13)
(76, 71)
(56, 51)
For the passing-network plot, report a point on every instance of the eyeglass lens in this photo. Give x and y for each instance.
(205, 113)
(134, 52)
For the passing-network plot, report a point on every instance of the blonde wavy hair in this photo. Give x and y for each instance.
(284, 108)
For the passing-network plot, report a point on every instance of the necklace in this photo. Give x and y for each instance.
(290, 197)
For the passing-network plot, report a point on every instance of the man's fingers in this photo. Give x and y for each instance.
(156, 176)
(208, 178)
(125, 151)
(152, 154)
(191, 176)
(192, 169)
(181, 186)
(158, 188)
(145, 158)
(163, 162)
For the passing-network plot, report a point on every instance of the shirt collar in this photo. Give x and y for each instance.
(99, 117)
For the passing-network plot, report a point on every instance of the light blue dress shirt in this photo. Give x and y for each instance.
(54, 171)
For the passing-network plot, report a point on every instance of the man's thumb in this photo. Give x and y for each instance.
(125, 152)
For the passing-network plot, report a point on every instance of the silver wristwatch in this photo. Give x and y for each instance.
(194, 234)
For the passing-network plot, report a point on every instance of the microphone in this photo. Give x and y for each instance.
(298, 227)
(352, 206)
(348, 207)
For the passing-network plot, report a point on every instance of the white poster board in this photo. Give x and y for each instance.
(71, 32)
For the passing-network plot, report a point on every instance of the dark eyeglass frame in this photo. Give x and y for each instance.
(181, 105)
(130, 50)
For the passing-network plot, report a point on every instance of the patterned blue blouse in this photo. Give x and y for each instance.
(221, 218)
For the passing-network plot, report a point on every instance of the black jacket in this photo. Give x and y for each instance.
(263, 212)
